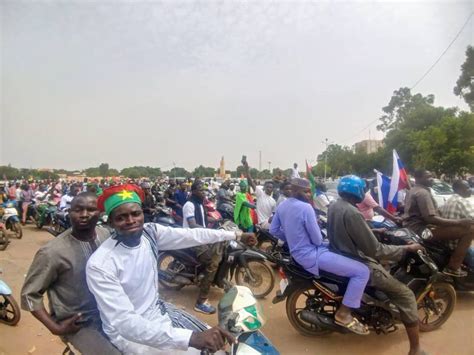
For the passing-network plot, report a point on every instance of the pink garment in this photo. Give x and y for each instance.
(366, 207)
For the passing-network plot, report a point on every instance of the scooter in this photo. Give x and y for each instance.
(11, 220)
(241, 315)
(312, 301)
(9, 310)
(179, 268)
(60, 222)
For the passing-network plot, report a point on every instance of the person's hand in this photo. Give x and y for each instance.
(68, 325)
(249, 239)
(211, 339)
(413, 248)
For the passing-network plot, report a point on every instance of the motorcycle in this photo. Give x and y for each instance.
(11, 220)
(312, 301)
(439, 253)
(59, 223)
(9, 310)
(179, 268)
(241, 315)
(164, 216)
(45, 214)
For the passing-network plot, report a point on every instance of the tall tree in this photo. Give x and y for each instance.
(465, 84)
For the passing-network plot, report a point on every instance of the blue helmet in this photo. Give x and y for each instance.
(352, 185)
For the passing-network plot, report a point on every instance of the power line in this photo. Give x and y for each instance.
(422, 77)
(444, 52)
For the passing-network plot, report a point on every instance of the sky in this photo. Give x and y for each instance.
(183, 83)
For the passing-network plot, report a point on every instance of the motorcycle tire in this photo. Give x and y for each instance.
(294, 309)
(9, 310)
(164, 274)
(3, 240)
(261, 272)
(16, 228)
(440, 299)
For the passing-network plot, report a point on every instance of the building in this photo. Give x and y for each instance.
(367, 146)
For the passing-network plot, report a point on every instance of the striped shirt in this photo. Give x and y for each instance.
(457, 207)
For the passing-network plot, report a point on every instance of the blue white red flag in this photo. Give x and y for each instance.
(399, 181)
(383, 183)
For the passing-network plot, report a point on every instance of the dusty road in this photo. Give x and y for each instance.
(455, 337)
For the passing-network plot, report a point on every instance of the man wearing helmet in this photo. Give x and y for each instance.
(350, 235)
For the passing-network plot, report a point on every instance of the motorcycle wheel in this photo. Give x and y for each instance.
(436, 307)
(307, 298)
(262, 274)
(3, 239)
(39, 221)
(165, 266)
(9, 310)
(16, 228)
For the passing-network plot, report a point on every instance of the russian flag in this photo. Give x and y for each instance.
(399, 180)
(384, 183)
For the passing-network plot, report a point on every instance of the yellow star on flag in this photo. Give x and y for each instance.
(125, 195)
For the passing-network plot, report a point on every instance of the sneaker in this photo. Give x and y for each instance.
(205, 308)
(454, 273)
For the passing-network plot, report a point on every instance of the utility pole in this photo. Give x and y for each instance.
(270, 166)
(325, 158)
(260, 160)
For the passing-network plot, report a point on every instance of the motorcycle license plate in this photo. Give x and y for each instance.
(283, 285)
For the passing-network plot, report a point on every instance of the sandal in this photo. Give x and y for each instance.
(354, 326)
(454, 273)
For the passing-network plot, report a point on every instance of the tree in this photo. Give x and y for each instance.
(339, 159)
(104, 169)
(465, 83)
(179, 172)
(264, 174)
(400, 105)
(9, 172)
(202, 171)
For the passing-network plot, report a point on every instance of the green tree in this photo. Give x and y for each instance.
(402, 104)
(179, 172)
(9, 172)
(465, 83)
(202, 171)
(339, 159)
(104, 169)
(264, 174)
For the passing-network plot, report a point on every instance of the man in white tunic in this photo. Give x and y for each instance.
(122, 275)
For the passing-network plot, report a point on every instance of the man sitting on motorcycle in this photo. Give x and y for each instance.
(123, 277)
(58, 269)
(350, 235)
(210, 255)
(295, 222)
(224, 200)
(149, 202)
(422, 212)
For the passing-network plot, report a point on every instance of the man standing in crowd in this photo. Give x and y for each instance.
(58, 269)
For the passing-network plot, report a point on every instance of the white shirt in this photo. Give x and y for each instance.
(65, 202)
(124, 281)
(265, 205)
(189, 212)
(294, 173)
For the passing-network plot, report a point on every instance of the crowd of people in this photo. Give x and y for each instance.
(109, 301)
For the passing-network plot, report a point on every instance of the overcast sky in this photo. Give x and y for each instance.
(152, 83)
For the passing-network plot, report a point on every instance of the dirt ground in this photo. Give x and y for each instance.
(30, 337)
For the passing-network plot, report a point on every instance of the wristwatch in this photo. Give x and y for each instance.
(238, 234)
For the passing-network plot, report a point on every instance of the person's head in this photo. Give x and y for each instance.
(295, 165)
(198, 190)
(172, 183)
(301, 189)
(225, 185)
(352, 189)
(84, 213)
(183, 186)
(424, 177)
(268, 187)
(462, 188)
(146, 187)
(123, 206)
(231, 187)
(285, 189)
(244, 186)
(74, 189)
